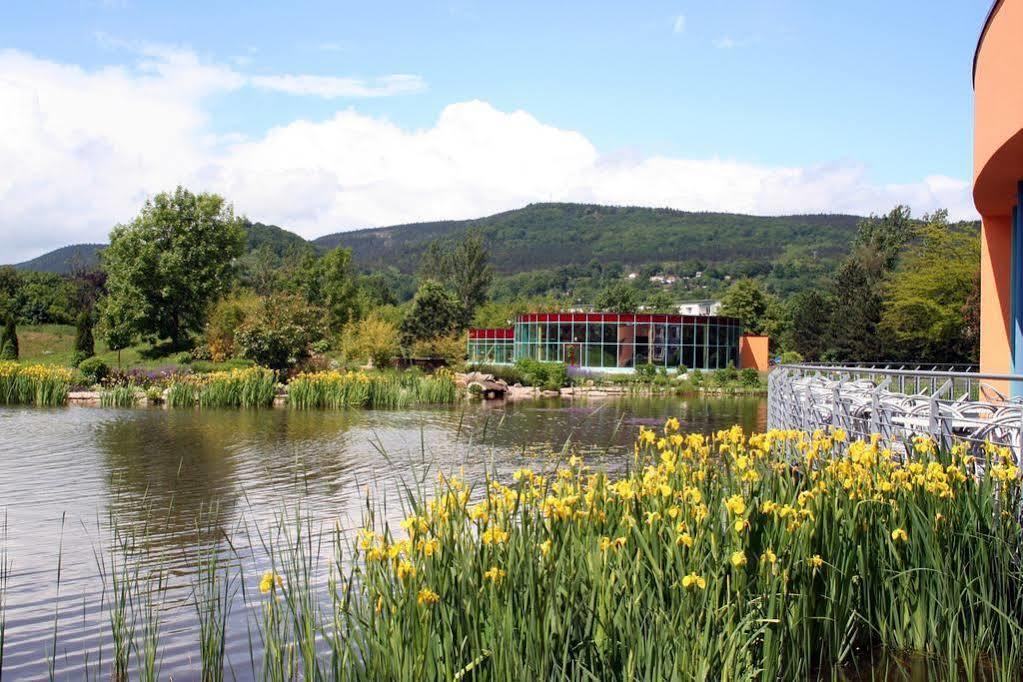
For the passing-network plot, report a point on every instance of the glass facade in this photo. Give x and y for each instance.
(612, 341)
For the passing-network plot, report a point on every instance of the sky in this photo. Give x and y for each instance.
(329, 116)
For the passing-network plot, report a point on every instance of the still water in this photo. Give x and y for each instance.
(73, 479)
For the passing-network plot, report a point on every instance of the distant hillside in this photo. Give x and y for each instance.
(542, 236)
(65, 259)
(257, 235)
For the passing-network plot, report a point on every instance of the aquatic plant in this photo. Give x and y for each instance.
(248, 387)
(337, 390)
(120, 395)
(773, 556)
(40, 385)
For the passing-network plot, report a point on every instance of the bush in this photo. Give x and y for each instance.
(9, 340)
(696, 377)
(93, 370)
(449, 348)
(280, 333)
(509, 374)
(750, 378)
(791, 357)
(227, 316)
(646, 372)
(84, 342)
(77, 357)
(372, 338)
(549, 376)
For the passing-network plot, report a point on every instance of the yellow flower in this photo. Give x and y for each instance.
(672, 425)
(427, 597)
(899, 535)
(269, 581)
(405, 569)
(736, 505)
(494, 574)
(604, 543)
(494, 536)
(740, 525)
(684, 539)
(545, 547)
(738, 558)
(652, 517)
(694, 580)
(815, 561)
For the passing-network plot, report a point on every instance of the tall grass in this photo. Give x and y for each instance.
(781, 556)
(5, 576)
(249, 387)
(339, 390)
(124, 395)
(40, 385)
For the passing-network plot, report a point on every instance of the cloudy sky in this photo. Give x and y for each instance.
(328, 116)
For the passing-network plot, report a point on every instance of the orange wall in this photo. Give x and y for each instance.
(997, 169)
(753, 352)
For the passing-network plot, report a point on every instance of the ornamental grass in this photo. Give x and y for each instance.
(339, 390)
(39, 385)
(248, 387)
(777, 556)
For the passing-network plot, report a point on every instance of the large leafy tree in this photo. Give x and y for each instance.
(747, 301)
(171, 262)
(331, 283)
(927, 297)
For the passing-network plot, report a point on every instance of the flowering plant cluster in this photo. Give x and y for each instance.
(735, 556)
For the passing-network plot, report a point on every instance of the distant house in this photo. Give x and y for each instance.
(702, 307)
(663, 279)
(633, 275)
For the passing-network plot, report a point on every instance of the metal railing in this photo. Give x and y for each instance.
(948, 405)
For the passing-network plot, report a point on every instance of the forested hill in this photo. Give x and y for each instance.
(543, 236)
(69, 258)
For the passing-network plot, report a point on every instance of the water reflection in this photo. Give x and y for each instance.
(162, 470)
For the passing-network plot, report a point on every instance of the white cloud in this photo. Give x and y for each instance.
(330, 87)
(80, 150)
(726, 43)
(678, 25)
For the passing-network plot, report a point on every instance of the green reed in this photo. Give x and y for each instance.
(249, 387)
(126, 395)
(39, 385)
(388, 390)
(212, 597)
(5, 576)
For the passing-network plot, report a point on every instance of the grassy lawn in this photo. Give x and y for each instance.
(53, 344)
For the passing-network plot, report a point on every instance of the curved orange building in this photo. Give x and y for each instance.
(998, 185)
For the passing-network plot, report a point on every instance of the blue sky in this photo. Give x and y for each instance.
(323, 116)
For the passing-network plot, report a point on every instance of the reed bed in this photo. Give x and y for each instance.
(777, 556)
(124, 395)
(248, 387)
(396, 390)
(39, 385)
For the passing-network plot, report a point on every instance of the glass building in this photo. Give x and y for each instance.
(612, 341)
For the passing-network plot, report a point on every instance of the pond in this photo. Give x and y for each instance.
(76, 481)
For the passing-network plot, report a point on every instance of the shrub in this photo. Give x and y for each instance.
(84, 342)
(372, 338)
(791, 357)
(549, 376)
(749, 377)
(506, 373)
(9, 340)
(93, 370)
(646, 372)
(227, 316)
(280, 333)
(696, 377)
(450, 348)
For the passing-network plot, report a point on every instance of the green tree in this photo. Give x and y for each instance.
(747, 301)
(434, 312)
(853, 331)
(118, 323)
(330, 282)
(810, 316)
(85, 344)
(885, 235)
(172, 261)
(465, 268)
(279, 333)
(928, 294)
(618, 298)
(9, 339)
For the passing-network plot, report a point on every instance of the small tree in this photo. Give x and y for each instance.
(374, 338)
(9, 340)
(618, 298)
(85, 344)
(434, 312)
